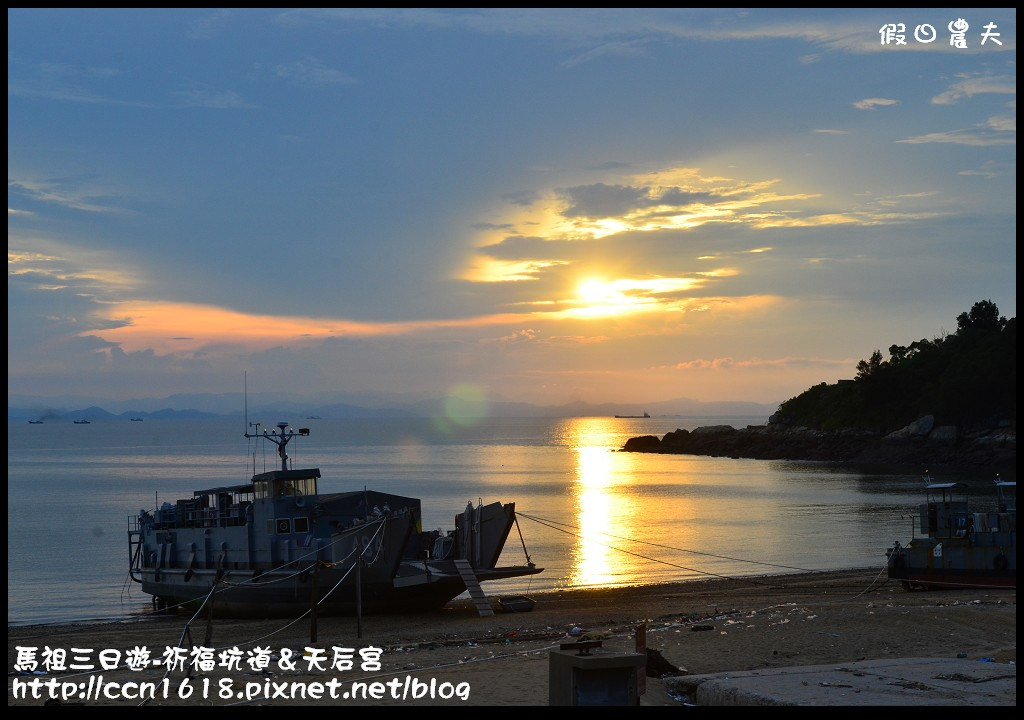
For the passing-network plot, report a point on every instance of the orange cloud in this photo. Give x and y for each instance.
(166, 327)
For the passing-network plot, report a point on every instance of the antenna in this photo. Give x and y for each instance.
(245, 381)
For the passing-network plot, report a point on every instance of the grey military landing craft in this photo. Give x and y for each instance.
(959, 547)
(274, 546)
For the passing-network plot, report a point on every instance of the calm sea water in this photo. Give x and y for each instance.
(609, 518)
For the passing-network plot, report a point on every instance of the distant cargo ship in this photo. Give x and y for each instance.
(645, 415)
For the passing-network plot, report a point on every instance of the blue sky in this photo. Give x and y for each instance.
(533, 205)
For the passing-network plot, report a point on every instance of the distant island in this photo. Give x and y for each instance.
(219, 407)
(949, 401)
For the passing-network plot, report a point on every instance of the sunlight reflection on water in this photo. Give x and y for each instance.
(589, 515)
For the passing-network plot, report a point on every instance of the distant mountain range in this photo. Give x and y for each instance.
(216, 406)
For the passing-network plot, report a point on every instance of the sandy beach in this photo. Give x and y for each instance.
(709, 626)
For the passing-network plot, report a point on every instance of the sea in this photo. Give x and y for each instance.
(589, 514)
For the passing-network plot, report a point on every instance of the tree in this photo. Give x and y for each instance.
(865, 368)
(984, 315)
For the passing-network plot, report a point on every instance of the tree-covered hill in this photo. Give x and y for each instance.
(948, 401)
(967, 379)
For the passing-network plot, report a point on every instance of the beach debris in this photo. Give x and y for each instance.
(961, 655)
(681, 698)
(911, 685)
(659, 667)
(576, 630)
(701, 628)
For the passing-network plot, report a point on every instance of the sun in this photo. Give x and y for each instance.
(600, 297)
(596, 291)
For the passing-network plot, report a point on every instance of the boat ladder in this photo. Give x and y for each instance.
(483, 606)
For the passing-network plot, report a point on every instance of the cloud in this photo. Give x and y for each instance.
(627, 32)
(492, 226)
(524, 198)
(81, 84)
(603, 201)
(729, 363)
(311, 72)
(989, 169)
(518, 337)
(74, 193)
(600, 200)
(830, 131)
(873, 103)
(620, 231)
(207, 27)
(619, 49)
(214, 99)
(969, 86)
(39, 264)
(518, 247)
(997, 130)
(1002, 123)
(72, 95)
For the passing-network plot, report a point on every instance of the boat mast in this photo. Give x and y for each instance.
(279, 437)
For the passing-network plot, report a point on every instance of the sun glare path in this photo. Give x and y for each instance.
(605, 503)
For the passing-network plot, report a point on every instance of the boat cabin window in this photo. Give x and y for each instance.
(301, 524)
(282, 487)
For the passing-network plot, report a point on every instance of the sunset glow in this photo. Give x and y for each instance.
(549, 206)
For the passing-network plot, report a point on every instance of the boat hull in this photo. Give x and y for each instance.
(954, 567)
(293, 593)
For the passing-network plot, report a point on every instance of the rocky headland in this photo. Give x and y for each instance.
(922, 444)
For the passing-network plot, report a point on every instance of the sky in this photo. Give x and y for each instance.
(528, 205)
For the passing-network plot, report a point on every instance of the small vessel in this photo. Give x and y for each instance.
(35, 422)
(275, 546)
(645, 415)
(136, 419)
(82, 422)
(958, 547)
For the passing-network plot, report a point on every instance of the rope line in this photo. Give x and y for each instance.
(669, 547)
(647, 557)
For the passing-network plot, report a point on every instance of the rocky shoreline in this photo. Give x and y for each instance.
(921, 444)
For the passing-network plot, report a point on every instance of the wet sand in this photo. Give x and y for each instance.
(700, 627)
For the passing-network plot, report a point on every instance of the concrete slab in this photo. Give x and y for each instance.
(903, 681)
